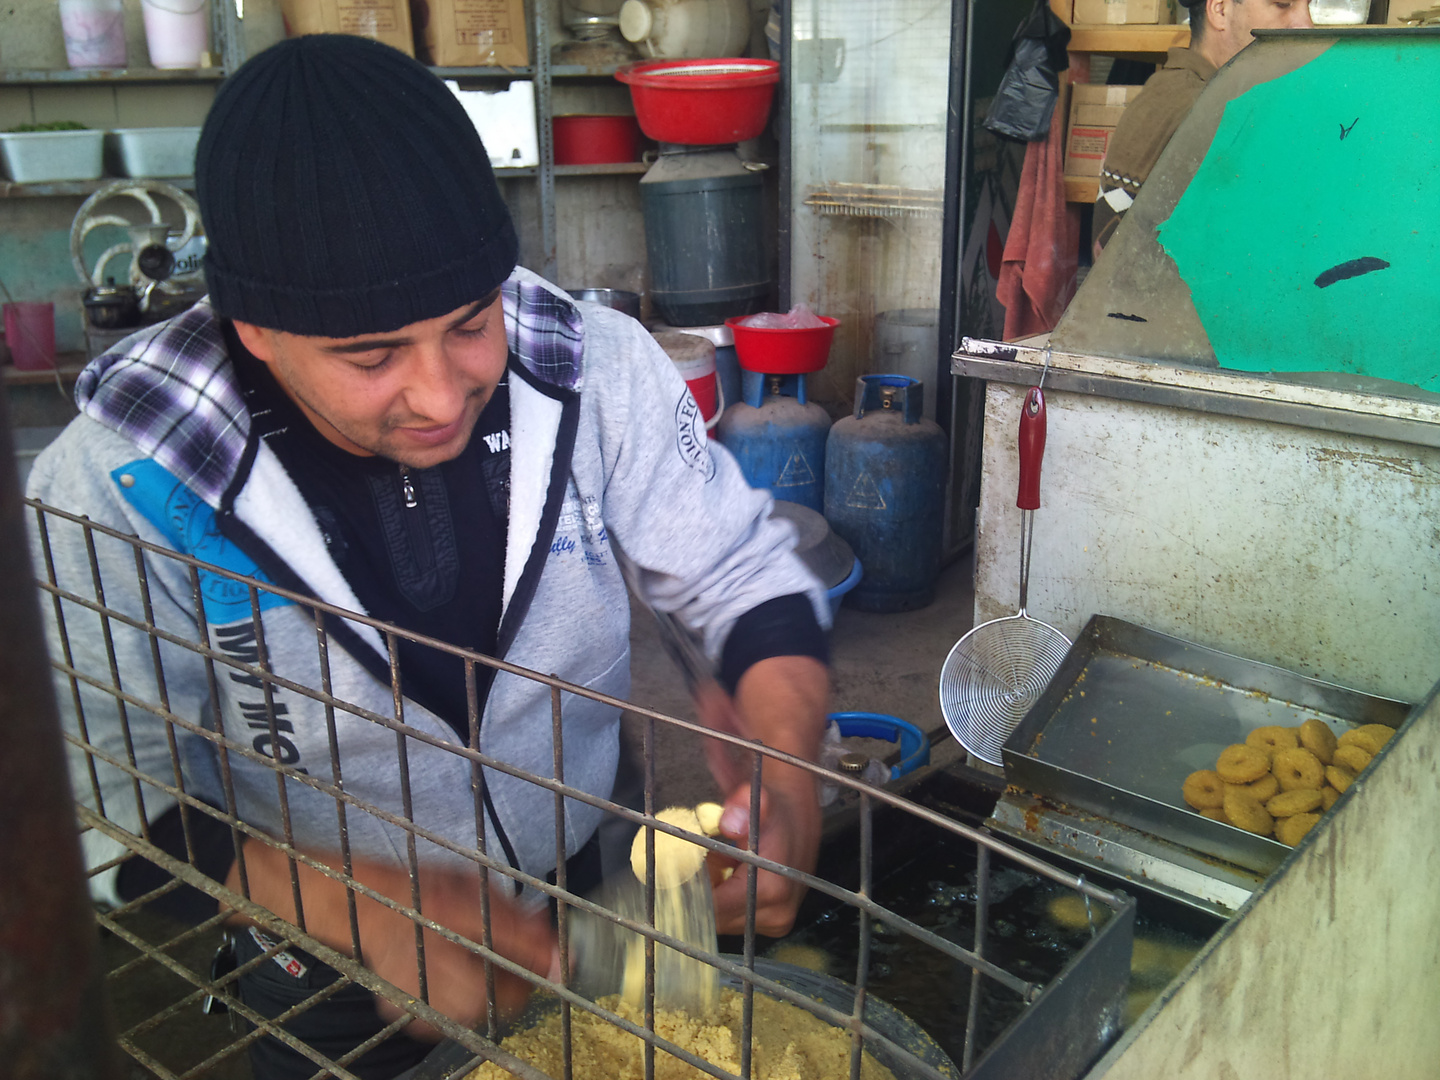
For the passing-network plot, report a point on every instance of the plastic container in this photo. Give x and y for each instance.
(30, 334)
(177, 32)
(42, 157)
(694, 359)
(837, 594)
(704, 237)
(94, 33)
(727, 368)
(701, 102)
(151, 151)
(686, 28)
(777, 351)
(914, 745)
(586, 139)
(885, 492)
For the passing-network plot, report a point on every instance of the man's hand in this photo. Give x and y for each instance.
(455, 976)
(782, 703)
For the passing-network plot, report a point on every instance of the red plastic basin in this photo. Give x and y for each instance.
(585, 139)
(777, 351)
(702, 102)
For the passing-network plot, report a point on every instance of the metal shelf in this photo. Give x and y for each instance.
(557, 71)
(110, 75)
(1146, 42)
(484, 72)
(11, 190)
(614, 168)
(68, 366)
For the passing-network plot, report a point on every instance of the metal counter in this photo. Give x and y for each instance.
(1287, 523)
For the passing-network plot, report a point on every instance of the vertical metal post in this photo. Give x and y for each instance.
(477, 782)
(562, 916)
(784, 122)
(862, 963)
(650, 895)
(752, 879)
(53, 1022)
(982, 915)
(543, 130)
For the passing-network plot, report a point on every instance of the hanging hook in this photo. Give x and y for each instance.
(1046, 369)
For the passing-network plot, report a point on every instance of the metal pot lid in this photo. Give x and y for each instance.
(722, 336)
(110, 292)
(827, 555)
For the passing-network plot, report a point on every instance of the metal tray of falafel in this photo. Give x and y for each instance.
(1133, 712)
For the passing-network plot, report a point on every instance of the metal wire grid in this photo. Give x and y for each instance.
(481, 1044)
(852, 199)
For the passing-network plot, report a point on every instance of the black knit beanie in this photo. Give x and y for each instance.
(344, 191)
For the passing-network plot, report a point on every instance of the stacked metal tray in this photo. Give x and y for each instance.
(1130, 714)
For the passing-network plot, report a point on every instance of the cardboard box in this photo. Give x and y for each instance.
(382, 20)
(1094, 112)
(1403, 12)
(472, 33)
(1114, 12)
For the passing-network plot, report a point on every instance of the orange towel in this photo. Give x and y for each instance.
(1037, 276)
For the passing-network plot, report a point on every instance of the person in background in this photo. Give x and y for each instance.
(377, 407)
(1218, 30)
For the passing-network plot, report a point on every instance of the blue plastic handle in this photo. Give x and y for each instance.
(914, 746)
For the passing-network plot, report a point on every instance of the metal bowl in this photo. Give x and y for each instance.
(824, 551)
(889, 1021)
(619, 299)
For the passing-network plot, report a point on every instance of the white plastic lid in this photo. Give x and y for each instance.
(636, 20)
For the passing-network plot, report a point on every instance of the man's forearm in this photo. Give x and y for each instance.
(782, 701)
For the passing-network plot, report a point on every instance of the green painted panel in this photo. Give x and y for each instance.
(1308, 237)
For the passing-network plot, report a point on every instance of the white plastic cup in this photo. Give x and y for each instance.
(94, 33)
(177, 32)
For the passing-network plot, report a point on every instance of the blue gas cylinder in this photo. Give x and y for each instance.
(778, 438)
(885, 492)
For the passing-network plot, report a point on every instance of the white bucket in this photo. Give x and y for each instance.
(177, 32)
(94, 33)
(694, 359)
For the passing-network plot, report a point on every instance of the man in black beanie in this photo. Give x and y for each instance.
(376, 407)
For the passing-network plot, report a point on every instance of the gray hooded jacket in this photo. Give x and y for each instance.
(605, 440)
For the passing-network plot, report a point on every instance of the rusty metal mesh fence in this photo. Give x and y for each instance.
(156, 1026)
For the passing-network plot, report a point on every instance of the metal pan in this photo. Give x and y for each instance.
(1132, 712)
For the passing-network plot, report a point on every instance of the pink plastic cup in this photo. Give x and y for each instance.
(30, 334)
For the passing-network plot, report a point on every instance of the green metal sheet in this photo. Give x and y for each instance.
(1308, 237)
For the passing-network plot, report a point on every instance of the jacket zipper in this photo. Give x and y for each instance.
(408, 489)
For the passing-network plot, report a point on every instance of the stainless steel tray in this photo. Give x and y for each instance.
(1132, 712)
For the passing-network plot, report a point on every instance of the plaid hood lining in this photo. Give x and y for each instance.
(171, 390)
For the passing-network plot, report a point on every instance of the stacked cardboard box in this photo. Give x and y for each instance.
(472, 33)
(1413, 12)
(1112, 12)
(448, 33)
(1094, 112)
(382, 20)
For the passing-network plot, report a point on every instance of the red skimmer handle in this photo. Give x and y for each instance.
(1032, 449)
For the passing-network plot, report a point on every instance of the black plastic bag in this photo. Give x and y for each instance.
(1030, 86)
